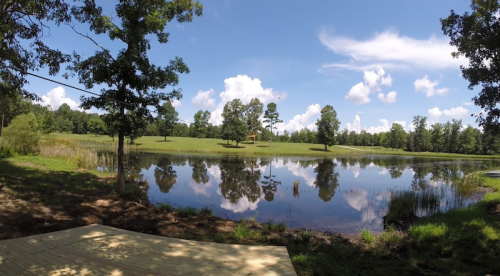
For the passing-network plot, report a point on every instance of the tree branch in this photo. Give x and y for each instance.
(91, 39)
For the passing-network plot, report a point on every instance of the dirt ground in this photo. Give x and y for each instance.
(24, 217)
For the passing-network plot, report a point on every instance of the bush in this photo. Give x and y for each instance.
(5, 151)
(206, 211)
(304, 235)
(22, 134)
(367, 236)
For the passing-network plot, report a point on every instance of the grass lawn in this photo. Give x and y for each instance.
(218, 146)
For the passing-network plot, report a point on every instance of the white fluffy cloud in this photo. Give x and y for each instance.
(301, 121)
(386, 126)
(468, 103)
(56, 97)
(203, 99)
(176, 103)
(359, 93)
(356, 125)
(244, 88)
(389, 98)
(429, 87)
(392, 51)
(454, 113)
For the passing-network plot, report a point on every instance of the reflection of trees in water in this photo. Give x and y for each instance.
(396, 171)
(326, 179)
(200, 173)
(238, 182)
(269, 185)
(165, 174)
(133, 167)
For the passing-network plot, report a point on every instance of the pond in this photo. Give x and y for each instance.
(336, 194)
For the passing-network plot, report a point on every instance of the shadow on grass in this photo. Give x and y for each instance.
(319, 149)
(163, 141)
(230, 146)
(40, 195)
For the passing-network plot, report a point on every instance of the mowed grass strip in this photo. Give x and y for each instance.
(217, 146)
(388, 151)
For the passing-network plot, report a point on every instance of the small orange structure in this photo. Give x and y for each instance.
(253, 137)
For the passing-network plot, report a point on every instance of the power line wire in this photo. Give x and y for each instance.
(67, 85)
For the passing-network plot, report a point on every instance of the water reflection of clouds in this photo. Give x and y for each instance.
(358, 199)
(355, 169)
(241, 206)
(296, 169)
(383, 171)
(200, 188)
(214, 170)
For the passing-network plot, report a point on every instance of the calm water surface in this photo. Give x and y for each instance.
(335, 194)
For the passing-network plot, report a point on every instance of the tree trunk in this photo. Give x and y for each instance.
(236, 143)
(271, 135)
(326, 149)
(121, 155)
(165, 138)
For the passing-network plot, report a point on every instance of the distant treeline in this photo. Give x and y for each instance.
(449, 137)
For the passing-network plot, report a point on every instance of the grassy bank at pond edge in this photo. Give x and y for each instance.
(43, 194)
(218, 146)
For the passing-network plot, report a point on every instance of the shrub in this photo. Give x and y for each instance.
(22, 134)
(304, 235)
(166, 207)
(403, 206)
(187, 212)
(367, 235)
(273, 227)
(206, 211)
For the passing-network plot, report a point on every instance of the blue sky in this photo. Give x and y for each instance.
(375, 62)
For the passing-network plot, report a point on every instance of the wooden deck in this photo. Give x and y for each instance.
(104, 250)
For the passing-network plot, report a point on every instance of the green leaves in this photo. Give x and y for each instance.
(21, 25)
(271, 117)
(166, 120)
(476, 37)
(328, 125)
(234, 126)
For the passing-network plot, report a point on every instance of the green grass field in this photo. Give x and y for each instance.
(217, 146)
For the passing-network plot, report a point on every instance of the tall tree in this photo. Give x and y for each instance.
(166, 120)
(133, 82)
(397, 136)
(476, 37)
(201, 123)
(253, 112)
(437, 137)
(467, 140)
(22, 28)
(328, 125)
(97, 126)
(421, 139)
(454, 145)
(271, 117)
(234, 125)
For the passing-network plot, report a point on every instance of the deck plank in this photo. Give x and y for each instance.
(104, 250)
